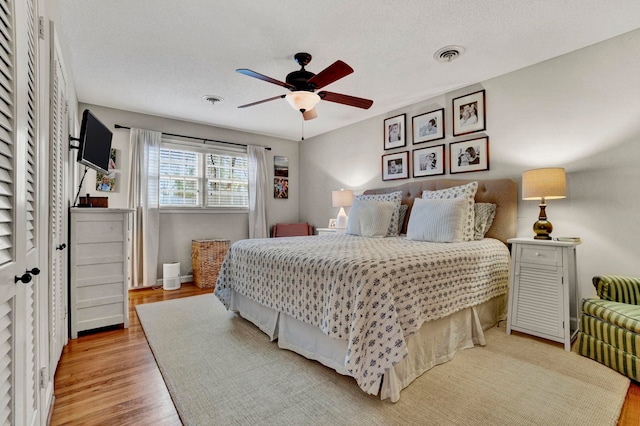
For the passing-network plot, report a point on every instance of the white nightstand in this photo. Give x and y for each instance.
(329, 231)
(543, 294)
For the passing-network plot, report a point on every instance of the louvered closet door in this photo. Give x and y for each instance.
(19, 396)
(27, 105)
(57, 217)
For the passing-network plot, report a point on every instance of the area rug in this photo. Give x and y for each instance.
(221, 370)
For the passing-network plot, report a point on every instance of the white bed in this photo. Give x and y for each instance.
(369, 307)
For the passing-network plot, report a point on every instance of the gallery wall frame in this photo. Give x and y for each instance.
(429, 161)
(469, 156)
(280, 177)
(469, 113)
(394, 131)
(428, 127)
(395, 166)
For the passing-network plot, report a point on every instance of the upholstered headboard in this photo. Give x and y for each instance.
(502, 192)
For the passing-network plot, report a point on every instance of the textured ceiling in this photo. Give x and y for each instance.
(161, 57)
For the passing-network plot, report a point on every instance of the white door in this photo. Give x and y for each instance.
(19, 256)
(59, 142)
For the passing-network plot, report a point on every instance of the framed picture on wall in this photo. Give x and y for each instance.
(280, 177)
(428, 127)
(395, 166)
(105, 182)
(394, 132)
(469, 156)
(280, 166)
(280, 187)
(469, 113)
(113, 159)
(428, 161)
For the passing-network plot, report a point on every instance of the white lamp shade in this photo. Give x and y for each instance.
(342, 198)
(550, 183)
(302, 100)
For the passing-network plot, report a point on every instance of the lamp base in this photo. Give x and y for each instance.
(341, 220)
(542, 228)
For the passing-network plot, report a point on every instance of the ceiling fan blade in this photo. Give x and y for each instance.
(262, 101)
(264, 78)
(346, 99)
(310, 115)
(333, 72)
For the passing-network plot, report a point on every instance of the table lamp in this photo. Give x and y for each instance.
(341, 199)
(543, 184)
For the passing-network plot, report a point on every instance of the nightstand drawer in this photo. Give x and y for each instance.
(540, 254)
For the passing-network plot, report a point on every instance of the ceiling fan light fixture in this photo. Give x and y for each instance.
(301, 100)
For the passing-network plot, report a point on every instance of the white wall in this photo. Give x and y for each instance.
(178, 229)
(580, 111)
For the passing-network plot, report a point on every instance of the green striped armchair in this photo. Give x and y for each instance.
(610, 326)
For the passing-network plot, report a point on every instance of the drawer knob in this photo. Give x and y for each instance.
(537, 254)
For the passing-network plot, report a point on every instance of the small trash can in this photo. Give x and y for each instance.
(171, 276)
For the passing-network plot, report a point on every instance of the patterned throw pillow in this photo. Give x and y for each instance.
(370, 218)
(484, 214)
(401, 216)
(396, 197)
(468, 192)
(437, 220)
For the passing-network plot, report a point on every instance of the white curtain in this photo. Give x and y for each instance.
(258, 190)
(143, 198)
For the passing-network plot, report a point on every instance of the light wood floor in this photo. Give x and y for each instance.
(109, 377)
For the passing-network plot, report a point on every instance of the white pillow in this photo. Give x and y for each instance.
(396, 197)
(369, 218)
(438, 221)
(466, 192)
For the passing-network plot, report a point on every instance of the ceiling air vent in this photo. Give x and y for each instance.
(449, 53)
(212, 99)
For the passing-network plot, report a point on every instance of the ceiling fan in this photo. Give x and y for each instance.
(303, 84)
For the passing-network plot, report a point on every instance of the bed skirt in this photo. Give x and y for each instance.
(436, 343)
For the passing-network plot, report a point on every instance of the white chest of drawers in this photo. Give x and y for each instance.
(98, 268)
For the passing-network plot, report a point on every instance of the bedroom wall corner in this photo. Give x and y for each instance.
(178, 229)
(578, 111)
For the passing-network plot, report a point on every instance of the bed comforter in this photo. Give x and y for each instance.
(372, 292)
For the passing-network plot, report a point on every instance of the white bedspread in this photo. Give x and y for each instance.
(372, 292)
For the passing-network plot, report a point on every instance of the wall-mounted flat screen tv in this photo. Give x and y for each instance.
(95, 143)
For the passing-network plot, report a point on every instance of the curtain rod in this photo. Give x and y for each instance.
(268, 148)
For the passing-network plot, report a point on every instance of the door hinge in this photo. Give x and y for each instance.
(43, 377)
(41, 27)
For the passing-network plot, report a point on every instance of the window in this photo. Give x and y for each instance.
(196, 178)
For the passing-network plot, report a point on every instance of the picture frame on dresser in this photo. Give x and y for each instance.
(469, 113)
(395, 166)
(428, 127)
(428, 161)
(469, 156)
(394, 130)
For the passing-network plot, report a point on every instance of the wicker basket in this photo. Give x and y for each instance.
(206, 258)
